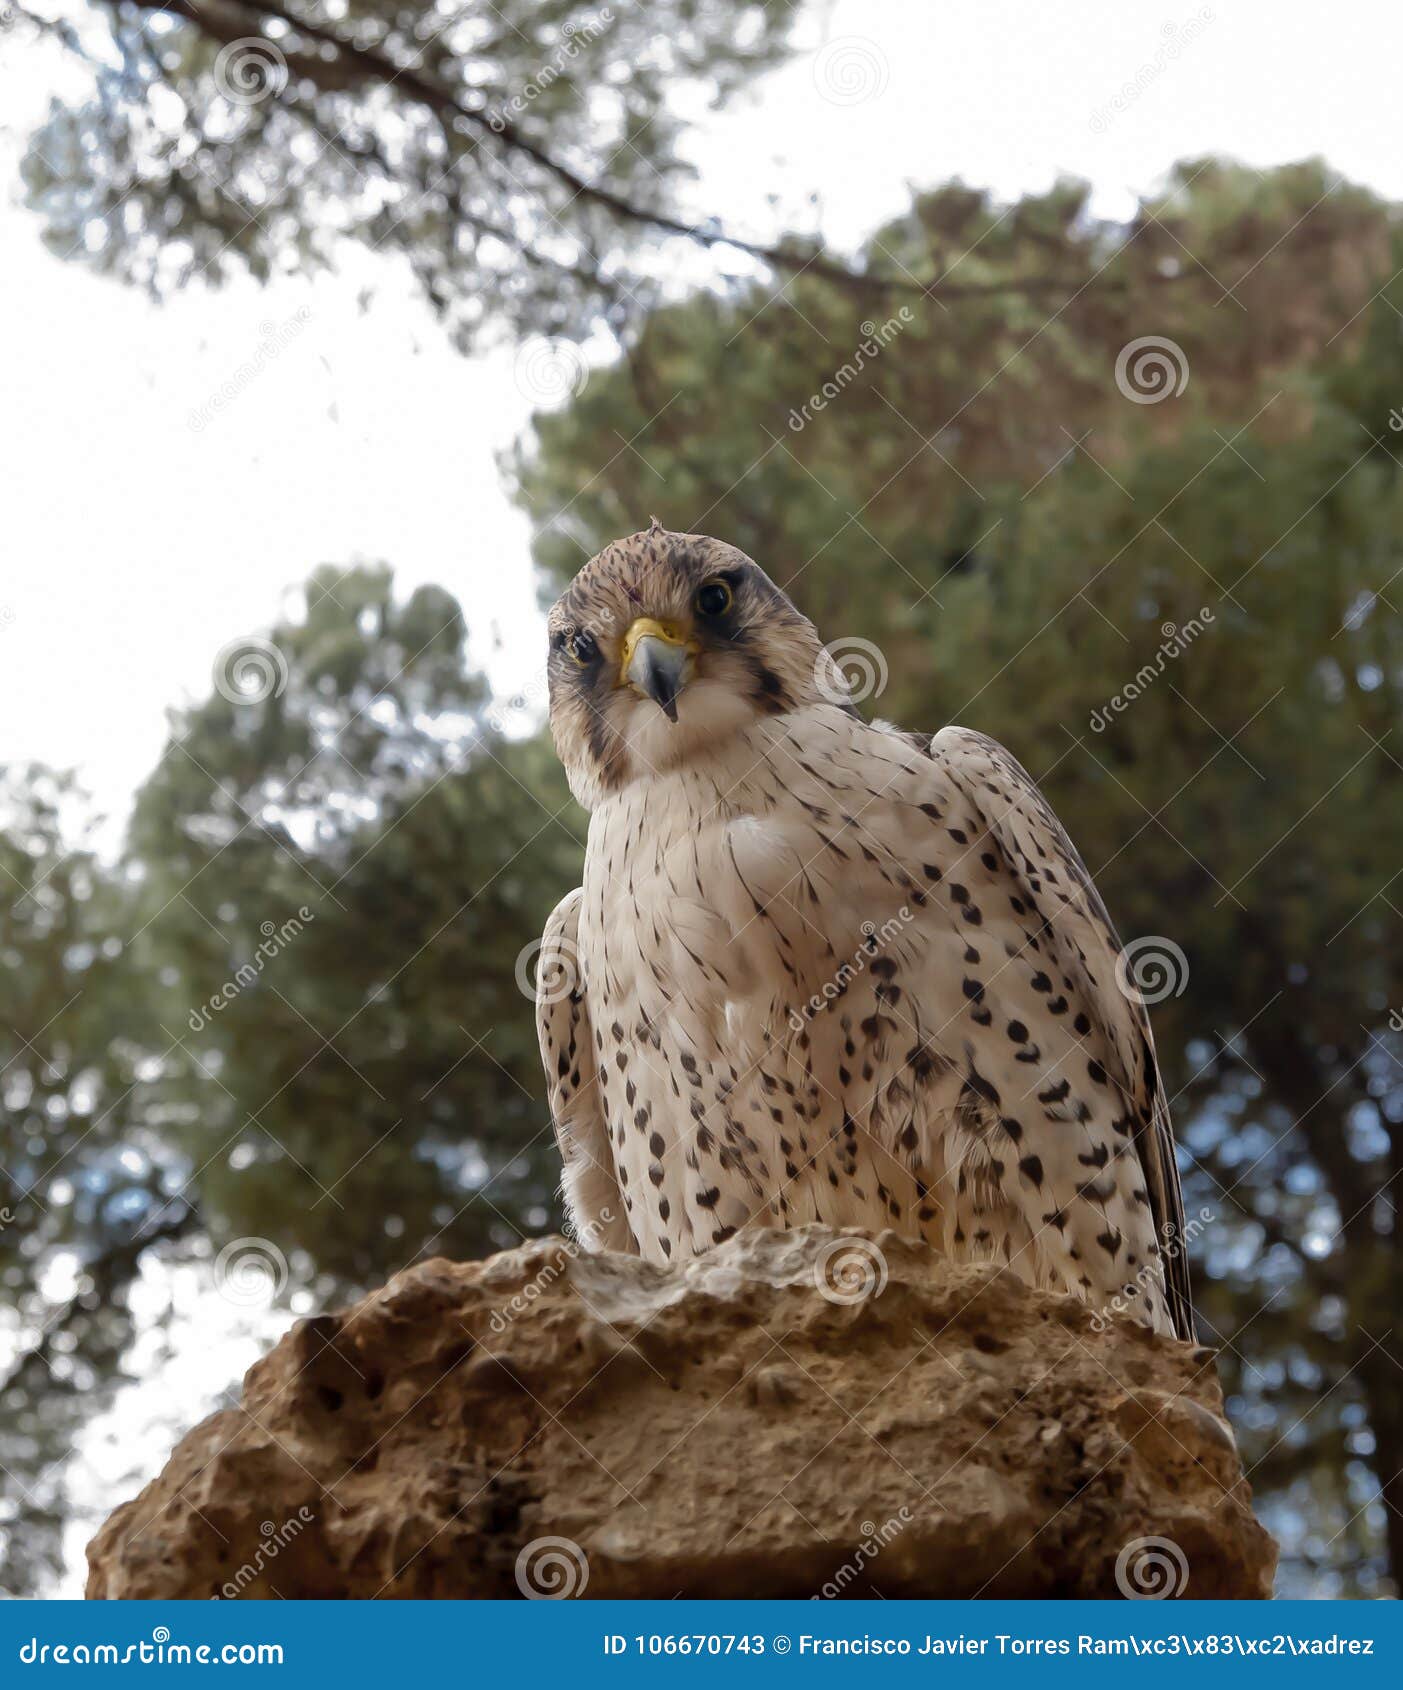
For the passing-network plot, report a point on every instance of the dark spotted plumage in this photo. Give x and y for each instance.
(847, 974)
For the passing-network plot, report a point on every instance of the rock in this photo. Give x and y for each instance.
(797, 1413)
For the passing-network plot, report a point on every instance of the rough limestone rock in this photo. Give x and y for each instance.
(795, 1414)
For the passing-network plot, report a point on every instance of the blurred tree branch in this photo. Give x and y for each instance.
(103, 1280)
(322, 56)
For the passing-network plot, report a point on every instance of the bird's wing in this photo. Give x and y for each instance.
(590, 1185)
(1077, 931)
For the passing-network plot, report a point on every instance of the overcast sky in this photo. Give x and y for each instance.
(135, 545)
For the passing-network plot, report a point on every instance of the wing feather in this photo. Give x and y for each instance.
(589, 1182)
(1090, 953)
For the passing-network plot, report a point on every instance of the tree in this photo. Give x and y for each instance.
(289, 1037)
(343, 868)
(817, 410)
(1182, 617)
(521, 159)
(82, 1179)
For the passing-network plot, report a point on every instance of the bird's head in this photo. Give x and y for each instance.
(661, 649)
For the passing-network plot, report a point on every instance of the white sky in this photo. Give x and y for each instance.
(134, 546)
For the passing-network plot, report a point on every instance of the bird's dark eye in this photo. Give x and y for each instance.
(581, 647)
(714, 597)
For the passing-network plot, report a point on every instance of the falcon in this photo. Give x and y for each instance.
(821, 970)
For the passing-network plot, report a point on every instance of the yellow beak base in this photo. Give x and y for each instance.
(647, 627)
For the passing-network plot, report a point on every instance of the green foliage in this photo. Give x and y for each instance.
(725, 402)
(82, 1177)
(520, 158)
(341, 869)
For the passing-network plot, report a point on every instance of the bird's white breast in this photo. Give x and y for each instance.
(727, 909)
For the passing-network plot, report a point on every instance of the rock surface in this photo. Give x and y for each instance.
(798, 1413)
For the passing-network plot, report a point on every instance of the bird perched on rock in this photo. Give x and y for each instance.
(823, 970)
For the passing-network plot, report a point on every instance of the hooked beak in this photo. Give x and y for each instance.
(654, 662)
